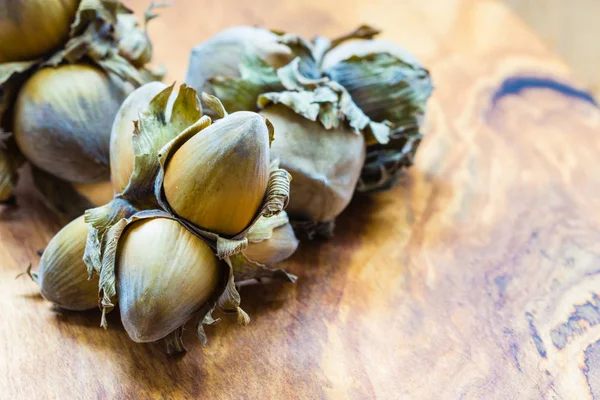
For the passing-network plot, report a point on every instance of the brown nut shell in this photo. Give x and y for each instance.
(63, 118)
(34, 28)
(165, 274)
(62, 274)
(218, 178)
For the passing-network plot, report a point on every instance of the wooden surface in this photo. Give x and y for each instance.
(571, 28)
(478, 278)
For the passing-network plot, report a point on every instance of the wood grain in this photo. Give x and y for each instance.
(477, 278)
(571, 29)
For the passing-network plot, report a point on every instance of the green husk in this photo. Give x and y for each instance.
(387, 90)
(236, 54)
(240, 93)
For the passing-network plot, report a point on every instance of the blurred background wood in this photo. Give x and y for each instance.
(571, 28)
(476, 278)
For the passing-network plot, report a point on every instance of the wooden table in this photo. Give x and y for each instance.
(477, 278)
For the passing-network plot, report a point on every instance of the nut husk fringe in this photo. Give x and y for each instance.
(378, 75)
(155, 139)
(92, 37)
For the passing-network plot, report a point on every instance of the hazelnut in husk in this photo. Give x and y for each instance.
(63, 117)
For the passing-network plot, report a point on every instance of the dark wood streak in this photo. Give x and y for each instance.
(592, 368)
(516, 84)
(539, 343)
(587, 314)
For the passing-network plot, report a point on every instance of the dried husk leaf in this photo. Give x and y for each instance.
(242, 60)
(388, 84)
(62, 120)
(158, 297)
(93, 36)
(100, 220)
(122, 156)
(270, 240)
(71, 200)
(325, 163)
(330, 104)
(153, 131)
(134, 43)
(62, 275)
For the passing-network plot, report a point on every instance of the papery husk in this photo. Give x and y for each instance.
(270, 240)
(62, 275)
(70, 200)
(94, 36)
(271, 245)
(242, 65)
(321, 142)
(134, 42)
(388, 84)
(158, 297)
(121, 137)
(63, 117)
